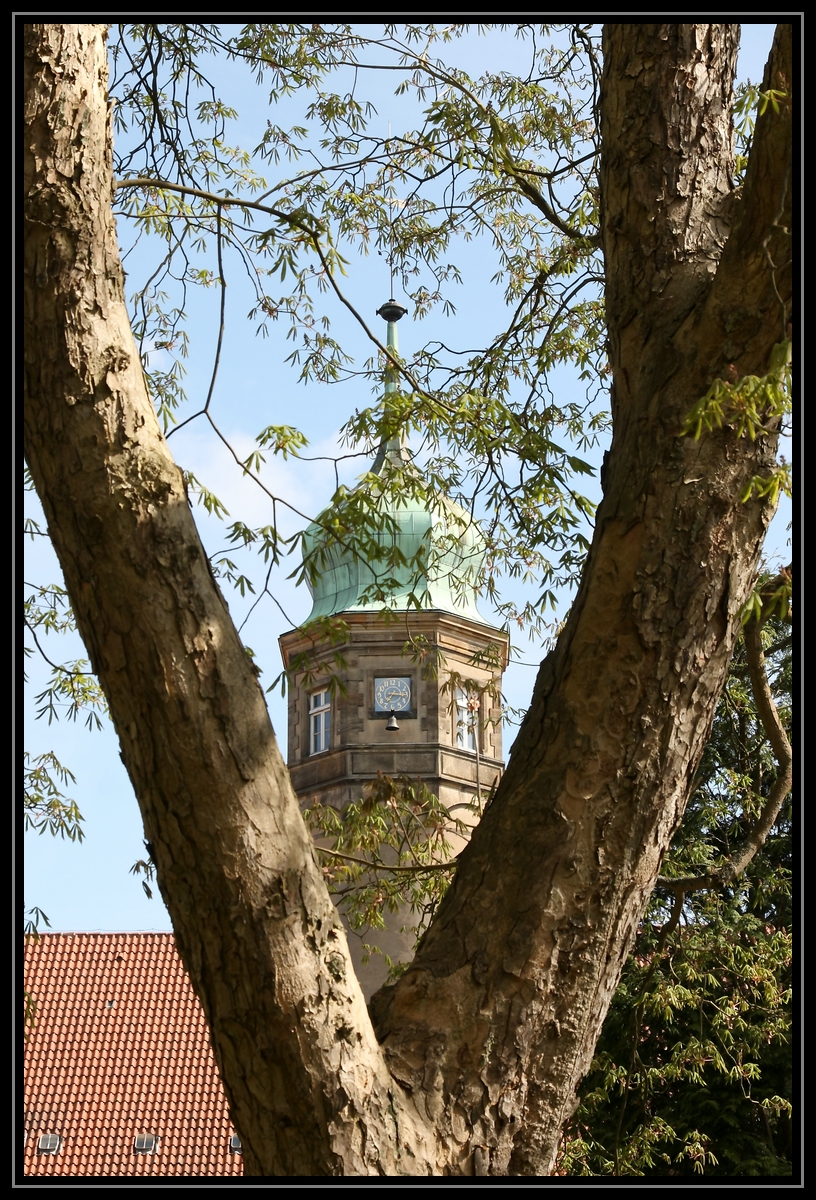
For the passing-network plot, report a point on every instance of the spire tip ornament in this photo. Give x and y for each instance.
(391, 311)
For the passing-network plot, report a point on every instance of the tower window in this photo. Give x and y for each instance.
(319, 721)
(467, 719)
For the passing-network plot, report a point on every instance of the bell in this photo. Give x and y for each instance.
(391, 725)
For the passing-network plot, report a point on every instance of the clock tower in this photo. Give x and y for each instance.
(414, 691)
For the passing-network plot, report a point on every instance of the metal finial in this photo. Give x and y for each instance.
(391, 311)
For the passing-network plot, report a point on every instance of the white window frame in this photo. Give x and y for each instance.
(467, 721)
(319, 721)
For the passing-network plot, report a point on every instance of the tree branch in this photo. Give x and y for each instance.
(370, 866)
(775, 733)
(758, 248)
(164, 185)
(297, 223)
(53, 665)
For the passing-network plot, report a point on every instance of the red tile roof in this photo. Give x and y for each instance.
(120, 1047)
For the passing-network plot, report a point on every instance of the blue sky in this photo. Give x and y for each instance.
(87, 886)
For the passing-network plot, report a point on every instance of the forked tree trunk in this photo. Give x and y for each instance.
(484, 1040)
(254, 923)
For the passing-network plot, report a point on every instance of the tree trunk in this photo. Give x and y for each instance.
(522, 960)
(254, 923)
(484, 1040)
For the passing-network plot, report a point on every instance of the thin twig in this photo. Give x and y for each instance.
(55, 666)
(362, 862)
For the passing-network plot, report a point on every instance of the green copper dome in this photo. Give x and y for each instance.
(440, 552)
(431, 553)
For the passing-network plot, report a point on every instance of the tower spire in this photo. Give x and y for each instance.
(392, 448)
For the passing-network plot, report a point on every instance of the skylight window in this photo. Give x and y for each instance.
(145, 1143)
(49, 1143)
(235, 1144)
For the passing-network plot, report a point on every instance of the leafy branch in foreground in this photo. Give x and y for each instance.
(497, 156)
(31, 930)
(765, 754)
(692, 1072)
(749, 403)
(146, 867)
(391, 851)
(45, 805)
(72, 689)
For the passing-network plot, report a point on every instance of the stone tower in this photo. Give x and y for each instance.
(418, 693)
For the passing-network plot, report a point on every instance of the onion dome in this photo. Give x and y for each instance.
(421, 552)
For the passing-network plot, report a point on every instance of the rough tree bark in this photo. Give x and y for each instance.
(255, 926)
(527, 948)
(481, 1044)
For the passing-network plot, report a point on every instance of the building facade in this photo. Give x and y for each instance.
(395, 672)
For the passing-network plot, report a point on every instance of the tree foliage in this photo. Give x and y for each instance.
(486, 425)
(388, 856)
(693, 1073)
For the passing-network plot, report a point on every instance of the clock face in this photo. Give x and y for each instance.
(392, 694)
